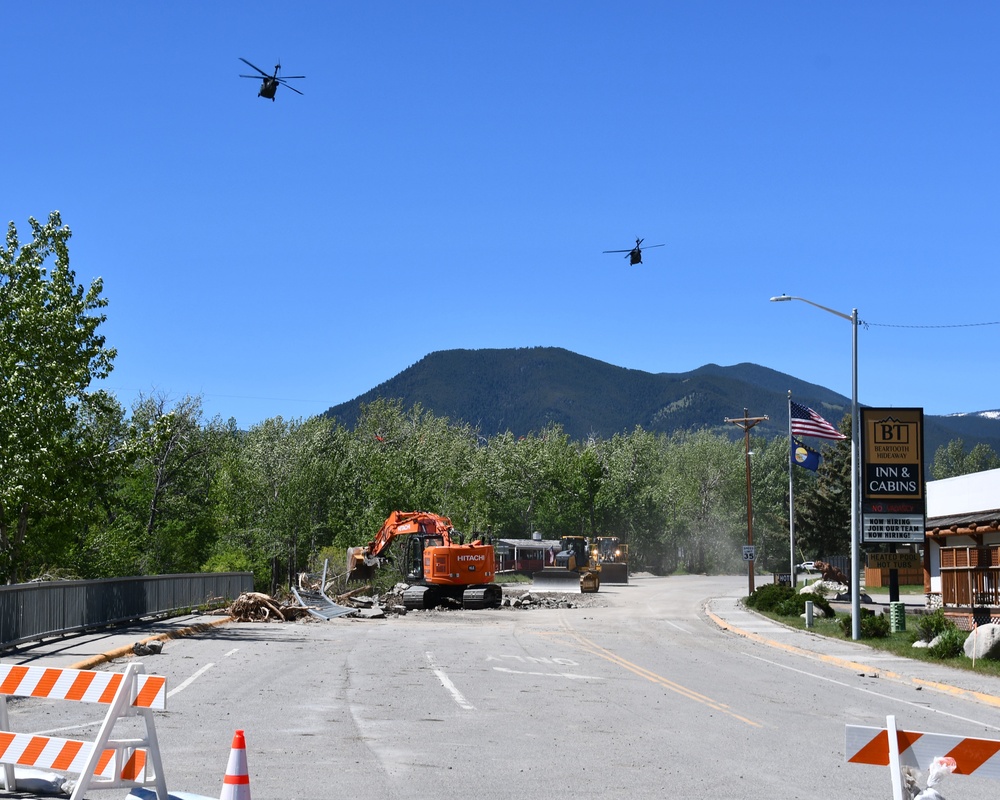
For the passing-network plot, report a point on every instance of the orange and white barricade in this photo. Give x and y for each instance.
(104, 763)
(894, 748)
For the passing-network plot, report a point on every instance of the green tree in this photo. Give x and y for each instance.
(630, 502)
(277, 480)
(164, 521)
(705, 479)
(951, 460)
(769, 474)
(50, 352)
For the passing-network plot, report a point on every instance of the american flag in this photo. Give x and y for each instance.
(806, 422)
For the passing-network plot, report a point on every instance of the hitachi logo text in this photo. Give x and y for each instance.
(472, 558)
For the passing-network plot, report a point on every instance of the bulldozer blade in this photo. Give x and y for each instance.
(614, 573)
(555, 579)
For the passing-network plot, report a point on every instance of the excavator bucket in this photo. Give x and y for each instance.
(358, 569)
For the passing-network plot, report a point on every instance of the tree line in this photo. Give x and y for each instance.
(91, 489)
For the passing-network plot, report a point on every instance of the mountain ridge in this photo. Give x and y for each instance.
(522, 390)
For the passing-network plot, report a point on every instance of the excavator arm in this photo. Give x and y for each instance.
(362, 561)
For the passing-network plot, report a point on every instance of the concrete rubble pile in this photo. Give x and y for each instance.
(368, 604)
(378, 606)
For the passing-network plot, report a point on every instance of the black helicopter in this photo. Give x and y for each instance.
(269, 83)
(635, 254)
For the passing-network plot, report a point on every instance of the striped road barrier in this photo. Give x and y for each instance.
(894, 748)
(104, 763)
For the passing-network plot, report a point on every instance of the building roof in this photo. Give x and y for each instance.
(991, 517)
(533, 544)
(964, 495)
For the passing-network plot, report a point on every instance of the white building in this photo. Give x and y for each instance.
(962, 551)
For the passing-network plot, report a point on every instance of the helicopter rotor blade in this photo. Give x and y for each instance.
(292, 88)
(254, 66)
(290, 77)
(619, 251)
(654, 245)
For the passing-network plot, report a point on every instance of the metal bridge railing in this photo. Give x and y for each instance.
(30, 612)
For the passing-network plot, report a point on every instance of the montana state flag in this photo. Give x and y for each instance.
(804, 456)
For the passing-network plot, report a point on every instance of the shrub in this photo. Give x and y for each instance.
(795, 606)
(929, 626)
(769, 597)
(950, 645)
(873, 626)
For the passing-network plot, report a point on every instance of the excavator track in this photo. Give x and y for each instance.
(416, 598)
(489, 596)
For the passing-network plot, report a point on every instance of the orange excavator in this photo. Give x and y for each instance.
(438, 566)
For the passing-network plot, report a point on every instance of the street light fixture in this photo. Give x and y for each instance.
(855, 439)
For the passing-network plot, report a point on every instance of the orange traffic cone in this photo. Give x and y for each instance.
(236, 784)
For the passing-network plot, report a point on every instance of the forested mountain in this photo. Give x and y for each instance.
(523, 390)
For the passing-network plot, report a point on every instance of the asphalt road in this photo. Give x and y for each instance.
(645, 696)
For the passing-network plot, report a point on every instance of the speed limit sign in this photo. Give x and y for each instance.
(748, 552)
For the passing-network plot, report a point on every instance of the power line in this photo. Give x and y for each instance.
(959, 325)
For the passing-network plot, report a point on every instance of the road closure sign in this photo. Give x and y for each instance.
(893, 505)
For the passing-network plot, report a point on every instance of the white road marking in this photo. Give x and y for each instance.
(51, 731)
(446, 682)
(179, 688)
(232, 652)
(924, 705)
(569, 675)
(184, 684)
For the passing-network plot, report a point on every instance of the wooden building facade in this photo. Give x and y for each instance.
(962, 549)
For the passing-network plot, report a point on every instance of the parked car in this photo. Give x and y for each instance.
(806, 566)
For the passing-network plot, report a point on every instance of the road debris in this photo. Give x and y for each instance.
(259, 607)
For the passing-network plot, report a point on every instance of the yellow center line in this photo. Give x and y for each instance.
(595, 649)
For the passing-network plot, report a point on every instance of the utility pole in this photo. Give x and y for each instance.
(746, 423)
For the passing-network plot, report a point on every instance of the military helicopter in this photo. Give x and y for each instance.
(635, 254)
(269, 83)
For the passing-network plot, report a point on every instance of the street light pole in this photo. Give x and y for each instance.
(855, 448)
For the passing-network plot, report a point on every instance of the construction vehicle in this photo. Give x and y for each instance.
(438, 567)
(612, 554)
(575, 569)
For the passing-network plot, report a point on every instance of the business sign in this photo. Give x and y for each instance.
(893, 505)
(892, 528)
(894, 561)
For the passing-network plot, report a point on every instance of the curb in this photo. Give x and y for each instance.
(982, 697)
(122, 652)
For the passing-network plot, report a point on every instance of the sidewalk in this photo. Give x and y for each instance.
(89, 649)
(730, 614)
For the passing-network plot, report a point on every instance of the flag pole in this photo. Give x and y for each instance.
(791, 498)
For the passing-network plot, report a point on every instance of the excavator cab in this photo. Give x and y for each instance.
(612, 554)
(414, 557)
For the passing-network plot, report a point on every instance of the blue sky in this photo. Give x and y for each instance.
(454, 171)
